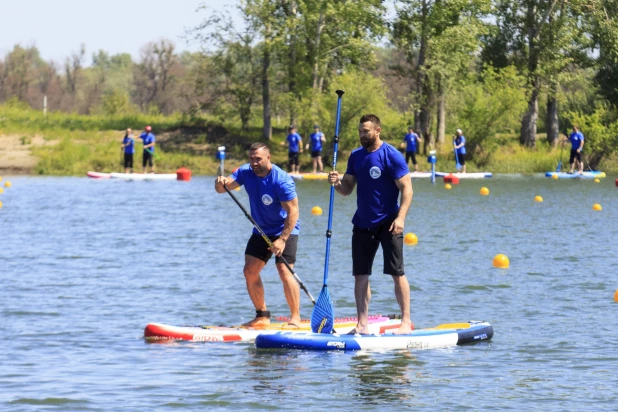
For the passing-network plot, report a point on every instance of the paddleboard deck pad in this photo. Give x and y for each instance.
(474, 175)
(133, 176)
(585, 175)
(438, 337)
(160, 331)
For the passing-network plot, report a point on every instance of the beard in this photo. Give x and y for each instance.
(368, 141)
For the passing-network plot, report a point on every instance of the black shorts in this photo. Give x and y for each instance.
(411, 155)
(365, 243)
(128, 160)
(293, 158)
(461, 158)
(257, 247)
(147, 159)
(575, 155)
(316, 153)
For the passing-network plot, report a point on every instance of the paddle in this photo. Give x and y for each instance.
(322, 317)
(268, 242)
(560, 162)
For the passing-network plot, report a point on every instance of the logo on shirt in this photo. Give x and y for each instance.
(267, 200)
(375, 172)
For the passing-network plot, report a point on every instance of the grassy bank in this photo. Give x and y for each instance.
(74, 144)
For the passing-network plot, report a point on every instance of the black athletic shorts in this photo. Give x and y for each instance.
(365, 243)
(293, 158)
(575, 155)
(461, 158)
(257, 247)
(316, 153)
(147, 159)
(128, 160)
(411, 155)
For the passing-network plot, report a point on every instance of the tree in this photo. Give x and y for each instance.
(73, 67)
(154, 75)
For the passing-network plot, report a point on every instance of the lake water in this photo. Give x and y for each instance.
(86, 264)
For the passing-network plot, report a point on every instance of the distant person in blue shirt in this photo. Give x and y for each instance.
(317, 138)
(382, 175)
(149, 147)
(459, 143)
(295, 145)
(128, 148)
(577, 144)
(410, 142)
(274, 207)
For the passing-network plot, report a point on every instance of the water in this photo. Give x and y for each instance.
(86, 264)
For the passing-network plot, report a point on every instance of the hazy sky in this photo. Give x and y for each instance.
(59, 27)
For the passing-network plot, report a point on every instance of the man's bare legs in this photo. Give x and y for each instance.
(291, 289)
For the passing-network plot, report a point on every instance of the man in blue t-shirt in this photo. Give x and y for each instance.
(317, 138)
(577, 144)
(148, 154)
(128, 148)
(274, 207)
(410, 141)
(459, 144)
(295, 145)
(382, 174)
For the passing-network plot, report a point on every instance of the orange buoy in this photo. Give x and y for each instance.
(316, 210)
(597, 207)
(484, 191)
(410, 239)
(538, 199)
(501, 261)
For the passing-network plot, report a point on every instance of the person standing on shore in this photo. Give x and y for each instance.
(295, 145)
(317, 138)
(382, 174)
(149, 149)
(128, 146)
(274, 207)
(410, 141)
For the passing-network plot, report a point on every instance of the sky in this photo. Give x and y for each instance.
(58, 27)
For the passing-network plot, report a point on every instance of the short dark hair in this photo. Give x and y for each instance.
(258, 146)
(371, 118)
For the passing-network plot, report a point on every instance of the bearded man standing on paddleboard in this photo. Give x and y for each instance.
(381, 173)
(274, 207)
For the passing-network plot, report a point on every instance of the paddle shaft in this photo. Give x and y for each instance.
(269, 242)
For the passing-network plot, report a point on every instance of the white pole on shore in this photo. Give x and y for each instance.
(45, 105)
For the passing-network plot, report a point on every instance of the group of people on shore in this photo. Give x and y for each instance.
(128, 149)
(382, 180)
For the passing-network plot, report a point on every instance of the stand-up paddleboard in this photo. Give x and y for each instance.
(97, 175)
(309, 176)
(420, 175)
(439, 337)
(160, 331)
(594, 174)
(476, 175)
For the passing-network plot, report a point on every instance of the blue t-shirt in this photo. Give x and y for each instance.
(294, 140)
(128, 149)
(576, 138)
(265, 197)
(458, 141)
(316, 141)
(148, 138)
(376, 192)
(410, 139)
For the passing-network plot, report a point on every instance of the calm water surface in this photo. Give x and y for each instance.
(86, 264)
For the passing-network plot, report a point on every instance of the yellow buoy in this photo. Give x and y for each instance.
(7, 184)
(1, 190)
(554, 176)
(484, 191)
(448, 186)
(410, 239)
(597, 181)
(0, 205)
(597, 206)
(538, 199)
(615, 293)
(501, 261)
(316, 210)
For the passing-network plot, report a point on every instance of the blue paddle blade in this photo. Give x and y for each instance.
(322, 317)
(559, 167)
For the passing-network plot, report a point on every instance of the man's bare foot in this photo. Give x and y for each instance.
(262, 318)
(405, 328)
(360, 330)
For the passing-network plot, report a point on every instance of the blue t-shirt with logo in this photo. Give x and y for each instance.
(130, 148)
(316, 141)
(576, 138)
(376, 191)
(410, 139)
(294, 140)
(265, 197)
(458, 140)
(148, 138)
